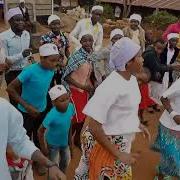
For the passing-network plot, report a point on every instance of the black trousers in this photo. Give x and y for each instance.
(9, 77)
(32, 125)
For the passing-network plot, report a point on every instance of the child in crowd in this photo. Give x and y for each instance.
(146, 101)
(168, 139)
(57, 127)
(35, 82)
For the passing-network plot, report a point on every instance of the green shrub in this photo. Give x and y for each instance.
(108, 12)
(161, 19)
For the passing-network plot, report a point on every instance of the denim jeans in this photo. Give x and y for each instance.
(60, 155)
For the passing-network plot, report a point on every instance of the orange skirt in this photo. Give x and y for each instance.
(102, 164)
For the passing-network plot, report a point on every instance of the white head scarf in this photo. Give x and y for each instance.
(172, 35)
(136, 17)
(13, 12)
(52, 18)
(122, 52)
(116, 32)
(21, 1)
(97, 8)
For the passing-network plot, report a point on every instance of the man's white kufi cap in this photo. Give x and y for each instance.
(97, 8)
(48, 50)
(13, 12)
(172, 35)
(57, 91)
(116, 32)
(136, 17)
(52, 18)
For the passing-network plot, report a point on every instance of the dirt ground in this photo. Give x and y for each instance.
(144, 169)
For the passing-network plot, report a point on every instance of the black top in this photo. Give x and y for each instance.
(163, 59)
(153, 63)
(26, 14)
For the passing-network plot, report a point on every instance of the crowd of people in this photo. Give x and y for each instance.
(93, 97)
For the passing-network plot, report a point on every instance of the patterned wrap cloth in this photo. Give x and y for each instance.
(97, 163)
(168, 144)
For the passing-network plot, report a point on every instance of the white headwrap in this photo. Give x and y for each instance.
(97, 8)
(22, 1)
(57, 91)
(116, 32)
(136, 17)
(85, 33)
(48, 50)
(122, 52)
(172, 35)
(13, 12)
(52, 18)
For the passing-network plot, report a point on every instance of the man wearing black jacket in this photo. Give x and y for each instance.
(169, 55)
(153, 62)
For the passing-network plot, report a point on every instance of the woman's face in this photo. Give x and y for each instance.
(116, 38)
(136, 64)
(87, 43)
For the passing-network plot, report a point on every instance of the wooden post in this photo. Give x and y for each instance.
(52, 4)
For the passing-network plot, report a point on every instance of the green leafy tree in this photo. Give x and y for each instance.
(161, 19)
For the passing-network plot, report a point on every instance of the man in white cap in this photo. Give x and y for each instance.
(12, 133)
(168, 56)
(16, 42)
(59, 38)
(90, 24)
(134, 31)
(55, 132)
(35, 81)
(102, 69)
(56, 36)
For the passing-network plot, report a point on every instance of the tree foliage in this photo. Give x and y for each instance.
(161, 19)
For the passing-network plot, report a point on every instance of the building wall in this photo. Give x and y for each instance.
(35, 7)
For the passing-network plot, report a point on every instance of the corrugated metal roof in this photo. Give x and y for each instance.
(162, 4)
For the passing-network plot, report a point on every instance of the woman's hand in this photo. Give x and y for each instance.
(128, 159)
(145, 132)
(177, 119)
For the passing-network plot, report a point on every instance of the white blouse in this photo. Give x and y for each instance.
(173, 94)
(115, 105)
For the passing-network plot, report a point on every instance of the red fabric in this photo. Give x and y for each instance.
(79, 99)
(173, 28)
(11, 163)
(146, 101)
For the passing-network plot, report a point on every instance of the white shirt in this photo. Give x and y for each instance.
(86, 25)
(14, 46)
(13, 133)
(115, 105)
(135, 37)
(173, 94)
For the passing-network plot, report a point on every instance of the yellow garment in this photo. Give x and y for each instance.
(88, 23)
